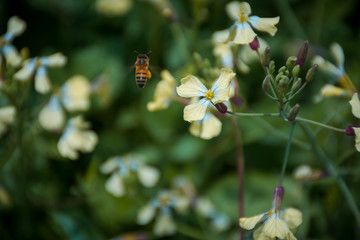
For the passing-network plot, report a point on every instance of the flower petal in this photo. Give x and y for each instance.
(196, 111)
(208, 128)
(355, 105)
(233, 9)
(26, 72)
(292, 217)
(52, 116)
(221, 88)
(338, 53)
(109, 165)
(249, 223)
(12, 55)
(357, 138)
(16, 25)
(244, 33)
(265, 24)
(42, 81)
(7, 114)
(164, 225)
(327, 66)
(148, 176)
(145, 214)
(190, 87)
(276, 227)
(329, 90)
(115, 185)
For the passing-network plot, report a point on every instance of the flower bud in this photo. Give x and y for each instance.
(296, 86)
(272, 67)
(221, 107)
(293, 113)
(267, 57)
(282, 69)
(278, 196)
(350, 130)
(311, 73)
(295, 71)
(277, 78)
(266, 83)
(283, 82)
(301, 57)
(291, 62)
(255, 44)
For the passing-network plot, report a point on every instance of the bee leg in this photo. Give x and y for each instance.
(148, 74)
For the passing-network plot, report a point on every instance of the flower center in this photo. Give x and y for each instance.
(243, 17)
(209, 95)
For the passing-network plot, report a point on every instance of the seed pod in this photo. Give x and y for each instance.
(311, 73)
(267, 57)
(293, 113)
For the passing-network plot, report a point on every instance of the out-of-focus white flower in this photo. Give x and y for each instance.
(164, 92)
(15, 27)
(113, 7)
(207, 128)
(121, 167)
(7, 115)
(52, 116)
(38, 66)
(76, 94)
(76, 137)
(164, 223)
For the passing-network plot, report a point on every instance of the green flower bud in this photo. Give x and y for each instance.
(266, 83)
(311, 73)
(295, 71)
(282, 69)
(267, 57)
(293, 113)
(283, 82)
(272, 67)
(277, 78)
(291, 62)
(296, 86)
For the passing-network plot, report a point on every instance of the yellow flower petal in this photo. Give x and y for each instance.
(208, 128)
(196, 111)
(16, 25)
(357, 138)
(221, 88)
(338, 53)
(164, 225)
(109, 165)
(148, 176)
(57, 60)
(249, 223)
(244, 34)
(191, 86)
(42, 81)
(265, 24)
(275, 227)
(332, 91)
(292, 217)
(220, 36)
(52, 116)
(233, 9)
(355, 105)
(115, 185)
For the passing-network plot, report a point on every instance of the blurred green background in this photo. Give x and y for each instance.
(48, 197)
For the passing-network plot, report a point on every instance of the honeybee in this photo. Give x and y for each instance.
(142, 73)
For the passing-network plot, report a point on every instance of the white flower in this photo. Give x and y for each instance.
(191, 87)
(76, 94)
(39, 67)
(7, 115)
(242, 30)
(76, 137)
(16, 26)
(52, 116)
(164, 225)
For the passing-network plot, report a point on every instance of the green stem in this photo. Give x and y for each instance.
(331, 167)
(254, 114)
(287, 153)
(320, 124)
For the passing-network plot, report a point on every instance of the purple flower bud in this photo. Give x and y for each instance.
(255, 44)
(350, 131)
(293, 113)
(301, 57)
(221, 107)
(267, 57)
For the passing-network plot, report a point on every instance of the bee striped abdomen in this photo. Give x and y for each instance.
(141, 77)
(142, 70)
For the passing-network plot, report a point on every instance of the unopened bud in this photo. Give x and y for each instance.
(266, 84)
(282, 69)
(283, 82)
(272, 67)
(350, 130)
(296, 86)
(291, 62)
(278, 77)
(295, 71)
(311, 73)
(301, 57)
(293, 113)
(221, 107)
(255, 44)
(278, 196)
(267, 57)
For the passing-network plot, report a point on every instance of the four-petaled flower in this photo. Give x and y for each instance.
(192, 87)
(242, 31)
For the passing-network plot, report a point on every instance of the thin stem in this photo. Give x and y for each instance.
(287, 153)
(320, 124)
(240, 172)
(329, 164)
(254, 114)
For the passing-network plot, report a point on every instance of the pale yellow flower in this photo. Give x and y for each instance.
(164, 92)
(52, 116)
(242, 31)
(329, 90)
(75, 94)
(15, 27)
(76, 137)
(355, 109)
(7, 115)
(38, 66)
(207, 128)
(192, 87)
(113, 7)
